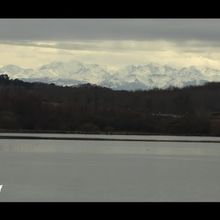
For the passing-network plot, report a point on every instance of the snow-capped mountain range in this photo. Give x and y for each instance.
(132, 77)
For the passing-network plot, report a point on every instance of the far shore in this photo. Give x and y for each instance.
(6, 134)
(21, 131)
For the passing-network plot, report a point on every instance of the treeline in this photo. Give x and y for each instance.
(90, 108)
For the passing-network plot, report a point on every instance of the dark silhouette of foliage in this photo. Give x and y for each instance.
(90, 108)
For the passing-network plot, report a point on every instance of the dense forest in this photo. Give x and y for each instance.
(89, 108)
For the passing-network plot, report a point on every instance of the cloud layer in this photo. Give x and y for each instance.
(110, 29)
(112, 42)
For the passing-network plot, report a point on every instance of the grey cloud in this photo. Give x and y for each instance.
(110, 29)
(121, 46)
(85, 45)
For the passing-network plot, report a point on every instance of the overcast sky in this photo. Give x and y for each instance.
(111, 42)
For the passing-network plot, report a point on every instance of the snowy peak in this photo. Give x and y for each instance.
(132, 77)
(91, 73)
(15, 71)
(12, 69)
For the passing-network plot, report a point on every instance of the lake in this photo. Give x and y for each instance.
(90, 170)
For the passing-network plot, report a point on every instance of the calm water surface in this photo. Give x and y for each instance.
(77, 170)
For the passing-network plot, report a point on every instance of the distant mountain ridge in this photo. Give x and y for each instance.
(132, 77)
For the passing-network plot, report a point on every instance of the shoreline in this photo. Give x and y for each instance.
(128, 133)
(16, 137)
